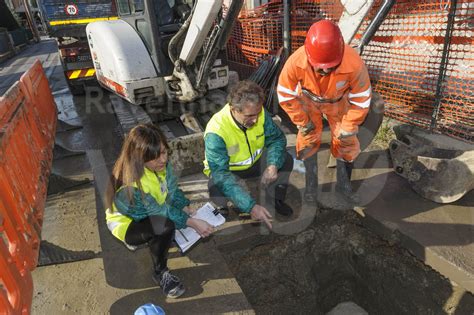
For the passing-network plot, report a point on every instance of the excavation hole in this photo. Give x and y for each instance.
(337, 260)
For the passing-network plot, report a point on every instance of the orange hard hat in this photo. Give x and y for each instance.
(324, 45)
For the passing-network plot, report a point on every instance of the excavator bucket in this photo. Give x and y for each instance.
(438, 174)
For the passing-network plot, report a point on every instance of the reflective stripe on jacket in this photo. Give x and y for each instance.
(117, 223)
(244, 148)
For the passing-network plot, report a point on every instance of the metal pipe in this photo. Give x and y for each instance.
(174, 40)
(444, 64)
(286, 27)
(375, 24)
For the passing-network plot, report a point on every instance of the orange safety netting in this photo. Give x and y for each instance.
(404, 57)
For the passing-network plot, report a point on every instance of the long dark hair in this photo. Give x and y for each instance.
(143, 143)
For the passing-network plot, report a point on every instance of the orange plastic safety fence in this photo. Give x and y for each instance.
(404, 57)
(404, 60)
(258, 33)
(27, 127)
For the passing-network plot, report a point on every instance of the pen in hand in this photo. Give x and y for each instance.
(183, 235)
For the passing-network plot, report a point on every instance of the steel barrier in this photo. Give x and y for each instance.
(28, 118)
(420, 59)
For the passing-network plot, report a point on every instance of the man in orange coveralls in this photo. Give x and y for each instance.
(326, 76)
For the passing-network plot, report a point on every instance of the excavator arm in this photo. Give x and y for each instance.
(177, 43)
(190, 79)
(353, 15)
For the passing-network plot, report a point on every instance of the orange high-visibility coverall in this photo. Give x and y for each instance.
(345, 98)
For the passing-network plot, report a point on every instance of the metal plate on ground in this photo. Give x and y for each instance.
(51, 254)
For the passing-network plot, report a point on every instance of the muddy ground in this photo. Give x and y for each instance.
(335, 260)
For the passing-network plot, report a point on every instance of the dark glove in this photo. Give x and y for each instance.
(306, 129)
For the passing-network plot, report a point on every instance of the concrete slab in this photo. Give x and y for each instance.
(441, 235)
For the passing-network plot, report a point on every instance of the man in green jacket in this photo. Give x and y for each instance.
(242, 141)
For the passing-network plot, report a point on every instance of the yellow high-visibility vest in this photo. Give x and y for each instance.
(153, 183)
(243, 148)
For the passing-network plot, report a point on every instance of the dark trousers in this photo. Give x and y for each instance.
(158, 232)
(255, 171)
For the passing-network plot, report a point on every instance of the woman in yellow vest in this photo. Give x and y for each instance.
(146, 205)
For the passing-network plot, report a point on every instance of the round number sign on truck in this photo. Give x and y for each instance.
(71, 9)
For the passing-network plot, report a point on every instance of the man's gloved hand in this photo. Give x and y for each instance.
(347, 141)
(306, 129)
(307, 141)
(345, 134)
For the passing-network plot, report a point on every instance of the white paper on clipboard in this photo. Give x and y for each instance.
(185, 238)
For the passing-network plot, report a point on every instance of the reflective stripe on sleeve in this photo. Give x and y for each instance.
(111, 225)
(283, 89)
(282, 99)
(361, 94)
(361, 104)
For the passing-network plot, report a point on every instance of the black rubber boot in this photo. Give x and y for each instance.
(278, 201)
(343, 184)
(311, 179)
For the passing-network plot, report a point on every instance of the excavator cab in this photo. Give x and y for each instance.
(156, 22)
(162, 47)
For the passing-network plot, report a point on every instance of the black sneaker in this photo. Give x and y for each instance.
(170, 284)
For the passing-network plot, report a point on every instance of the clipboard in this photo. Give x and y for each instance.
(187, 237)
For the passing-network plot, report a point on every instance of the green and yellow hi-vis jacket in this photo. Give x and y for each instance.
(160, 195)
(229, 148)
